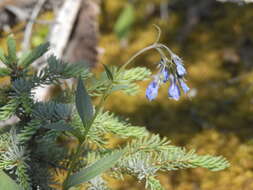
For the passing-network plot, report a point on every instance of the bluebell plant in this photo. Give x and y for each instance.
(171, 70)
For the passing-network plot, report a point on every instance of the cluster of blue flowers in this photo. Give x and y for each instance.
(169, 70)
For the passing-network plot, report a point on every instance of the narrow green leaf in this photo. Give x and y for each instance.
(59, 126)
(2, 57)
(7, 183)
(11, 43)
(34, 54)
(125, 21)
(83, 103)
(108, 73)
(93, 170)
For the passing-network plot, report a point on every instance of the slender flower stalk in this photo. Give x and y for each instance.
(169, 66)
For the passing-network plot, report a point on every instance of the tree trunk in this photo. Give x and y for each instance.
(84, 39)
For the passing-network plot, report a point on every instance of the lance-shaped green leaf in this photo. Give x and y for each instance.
(83, 103)
(124, 22)
(12, 57)
(7, 183)
(37, 52)
(59, 126)
(108, 73)
(93, 170)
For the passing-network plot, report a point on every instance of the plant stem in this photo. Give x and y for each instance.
(81, 143)
(153, 46)
(165, 47)
(156, 46)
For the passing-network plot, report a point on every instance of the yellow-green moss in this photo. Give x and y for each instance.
(218, 119)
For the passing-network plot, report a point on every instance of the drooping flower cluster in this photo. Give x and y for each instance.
(173, 71)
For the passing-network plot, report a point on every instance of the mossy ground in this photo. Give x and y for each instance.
(218, 120)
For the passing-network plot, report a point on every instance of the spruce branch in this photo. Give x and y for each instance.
(28, 131)
(14, 160)
(153, 184)
(108, 123)
(97, 183)
(124, 80)
(8, 110)
(146, 156)
(31, 151)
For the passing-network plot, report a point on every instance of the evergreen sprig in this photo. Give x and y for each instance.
(35, 146)
(124, 80)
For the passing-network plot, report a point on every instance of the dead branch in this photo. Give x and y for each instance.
(61, 31)
(29, 26)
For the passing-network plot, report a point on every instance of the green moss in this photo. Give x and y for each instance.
(217, 120)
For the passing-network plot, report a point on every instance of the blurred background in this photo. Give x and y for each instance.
(215, 40)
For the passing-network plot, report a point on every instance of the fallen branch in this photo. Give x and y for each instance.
(29, 26)
(61, 31)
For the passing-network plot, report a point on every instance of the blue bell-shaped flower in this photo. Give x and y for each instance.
(181, 71)
(152, 90)
(165, 74)
(184, 86)
(174, 91)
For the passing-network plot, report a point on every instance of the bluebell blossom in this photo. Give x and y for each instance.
(162, 76)
(169, 70)
(177, 60)
(174, 91)
(165, 73)
(181, 71)
(152, 90)
(184, 86)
